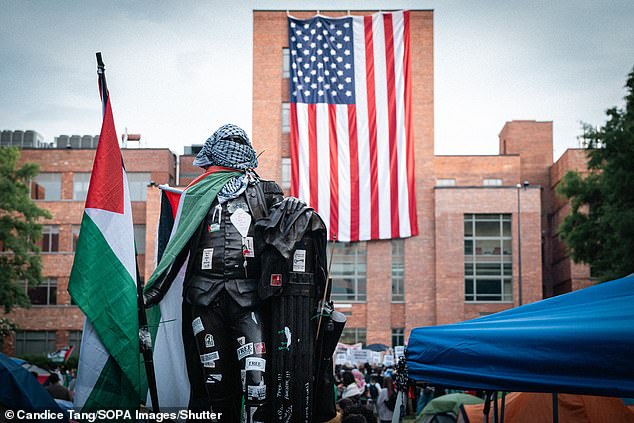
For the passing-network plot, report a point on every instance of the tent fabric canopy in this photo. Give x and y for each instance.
(581, 343)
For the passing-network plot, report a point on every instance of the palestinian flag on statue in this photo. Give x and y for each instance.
(181, 214)
(170, 198)
(103, 284)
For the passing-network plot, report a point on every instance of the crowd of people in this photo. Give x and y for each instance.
(368, 394)
(364, 393)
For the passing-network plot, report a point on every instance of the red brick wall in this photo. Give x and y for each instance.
(188, 172)
(420, 278)
(472, 170)
(451, 206)
(533, 141)
(566, 275)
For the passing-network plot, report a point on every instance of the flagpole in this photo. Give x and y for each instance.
(103, 88)
(145, 340)
(168, 188)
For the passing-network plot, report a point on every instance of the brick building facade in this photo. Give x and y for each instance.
(52, 321)
(474, 220)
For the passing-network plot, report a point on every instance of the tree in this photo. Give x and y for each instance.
(600, 229)
(19, 230)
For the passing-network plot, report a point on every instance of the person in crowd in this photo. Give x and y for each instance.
(385, 401)
(350, 388)
(56, 389)
(359, 379)
(357, 414)
(374, 388)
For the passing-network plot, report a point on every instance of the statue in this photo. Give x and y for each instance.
(226, 284)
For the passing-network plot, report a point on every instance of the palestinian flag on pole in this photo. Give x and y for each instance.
(103, 283)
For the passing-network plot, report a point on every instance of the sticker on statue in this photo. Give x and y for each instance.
(260, 348)
(206, 262)
(276, 279)
(299, 261)
(197, 326)
(245, 350)
(209, 341)
(241, 220)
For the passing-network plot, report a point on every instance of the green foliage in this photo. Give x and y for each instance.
(7, 327)
(600, 229)
(19, 230)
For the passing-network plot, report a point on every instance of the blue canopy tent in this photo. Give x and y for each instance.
(580, 343)
(19, 390)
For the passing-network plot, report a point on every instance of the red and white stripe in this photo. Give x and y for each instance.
(354, 164)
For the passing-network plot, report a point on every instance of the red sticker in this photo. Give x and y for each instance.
(259, 347)
(276, 279)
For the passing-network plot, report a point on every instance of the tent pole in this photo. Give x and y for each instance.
(502, 407)
(555, 408)
(487, 406)
(495, 407)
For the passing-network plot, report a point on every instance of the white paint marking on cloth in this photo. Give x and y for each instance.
(287, 332)
(214, 378)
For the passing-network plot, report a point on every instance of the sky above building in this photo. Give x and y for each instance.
(179, 69)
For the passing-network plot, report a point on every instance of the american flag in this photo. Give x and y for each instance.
(352, 153)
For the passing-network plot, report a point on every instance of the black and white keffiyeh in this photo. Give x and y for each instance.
(230, 147)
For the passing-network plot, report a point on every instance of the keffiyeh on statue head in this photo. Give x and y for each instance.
(229, 146)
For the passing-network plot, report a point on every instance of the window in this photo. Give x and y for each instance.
(286, 172)
(286, 63)
(75, 237)
(398, 270)
(44, 293)
(398, 337)
(348, 271)
(445, 182)
(74, 340)
(139, 238)
(353, 336)
(47, 186)
(50, 238)
(31, 342)
(138, 182)
(286, 118)
(488, 259)
(492, 182)
(81, 182)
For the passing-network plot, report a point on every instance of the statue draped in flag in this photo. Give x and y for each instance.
(216, 346)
